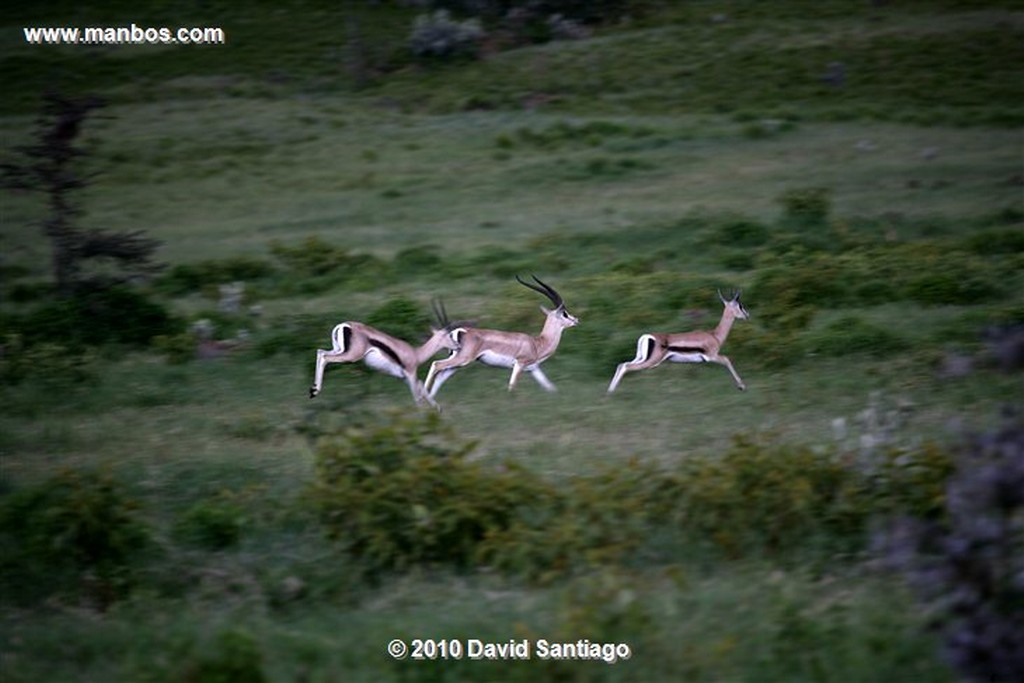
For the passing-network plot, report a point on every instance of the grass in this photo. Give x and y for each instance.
(652, 172)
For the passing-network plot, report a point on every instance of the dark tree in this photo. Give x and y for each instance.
(49, 166)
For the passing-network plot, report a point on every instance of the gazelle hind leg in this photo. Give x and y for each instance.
(339, 336)
(644, 345)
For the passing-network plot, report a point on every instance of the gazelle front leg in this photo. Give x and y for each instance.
(517, 369)
(541, 378)
(724, 360)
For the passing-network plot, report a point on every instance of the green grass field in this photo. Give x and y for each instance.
(874, 228)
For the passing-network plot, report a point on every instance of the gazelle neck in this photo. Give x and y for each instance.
(430, 347)
(550, 335)
(724, 325)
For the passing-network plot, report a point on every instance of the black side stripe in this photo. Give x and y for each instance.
(686, 349)
(386, 350)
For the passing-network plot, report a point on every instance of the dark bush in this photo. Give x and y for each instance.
(117, 315)
(233, 657)
(78, 533)
(213, 524)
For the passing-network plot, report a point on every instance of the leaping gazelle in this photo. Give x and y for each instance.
(354, 341)
(701, 346)
(501, 349)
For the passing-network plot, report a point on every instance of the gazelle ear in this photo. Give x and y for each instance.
(545, 310)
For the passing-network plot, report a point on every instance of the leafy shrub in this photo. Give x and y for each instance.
(402, 493)
(115, 315)
(76, 533)
(598, 520)
(233, 657)
(214, 524)
(45, 363)
(760, 498)
(438, 36)
(967, 567)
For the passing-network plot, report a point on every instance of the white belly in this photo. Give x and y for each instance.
(496, 359)
(687, 358)
(378, 361)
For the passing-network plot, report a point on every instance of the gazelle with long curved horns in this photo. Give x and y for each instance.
(353, 341)
(701, 346)
(516, 350)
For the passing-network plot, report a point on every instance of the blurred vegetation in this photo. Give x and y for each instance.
(174, 508)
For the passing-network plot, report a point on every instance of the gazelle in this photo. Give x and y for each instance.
(501, 349)
(354, 341)
(687, 347)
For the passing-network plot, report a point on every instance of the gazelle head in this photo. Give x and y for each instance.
(442, 328)
(733, 306)
(559, 314)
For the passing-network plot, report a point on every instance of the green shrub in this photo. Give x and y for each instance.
(77, 533)
(117, 315)
(214, 524)
(403, 493)
(762, 498)
(45, 364)
(233, 657)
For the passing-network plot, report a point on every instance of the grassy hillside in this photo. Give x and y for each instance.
(168, 518)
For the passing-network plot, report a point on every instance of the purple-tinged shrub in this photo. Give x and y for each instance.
(969, 568)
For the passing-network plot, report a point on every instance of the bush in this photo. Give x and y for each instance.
(233, 657)
(214, 524)
(116, 315)
(402, 493)
(967, 567)
(760, 498)
(46, 364)
(77, 533)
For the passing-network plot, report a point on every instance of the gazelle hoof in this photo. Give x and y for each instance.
(313, 392)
